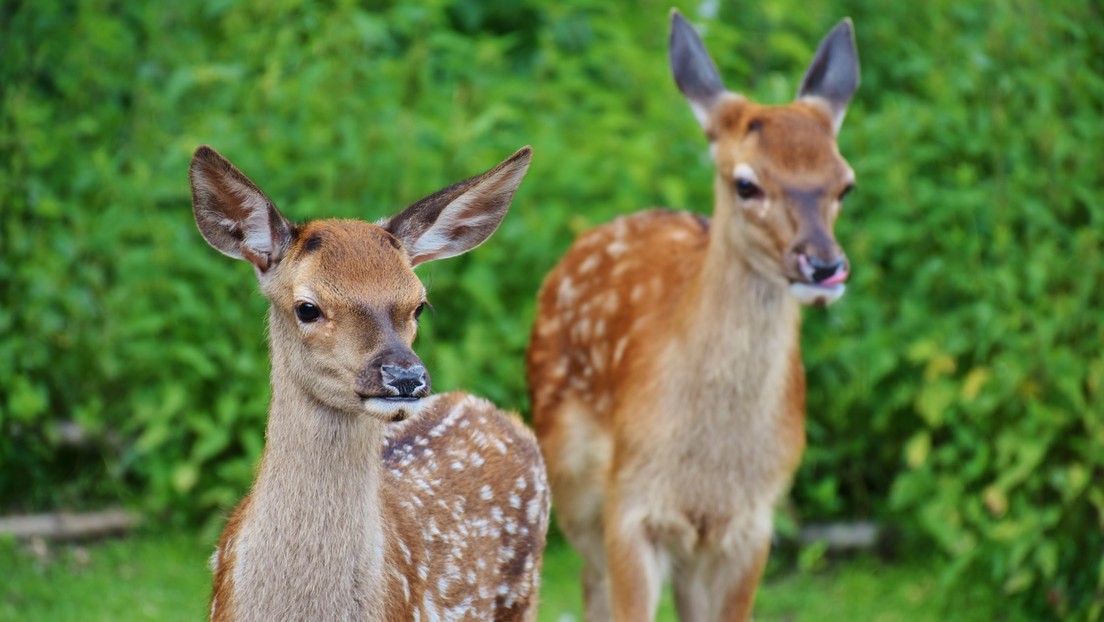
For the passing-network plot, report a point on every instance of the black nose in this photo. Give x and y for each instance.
(405, 381)
(824, 270)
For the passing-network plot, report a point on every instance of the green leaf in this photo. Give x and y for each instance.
(27, 399)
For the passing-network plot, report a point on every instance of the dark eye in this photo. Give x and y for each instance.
(845, 192)
(747, 189)
(418, 311)
(307, 312)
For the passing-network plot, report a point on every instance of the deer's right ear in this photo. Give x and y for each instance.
(695, 73)
(460, 217)
(233, 215)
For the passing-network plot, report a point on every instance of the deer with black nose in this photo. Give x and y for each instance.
(374, 500)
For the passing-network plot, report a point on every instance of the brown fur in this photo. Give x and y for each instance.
(354, 516)
(665, 371)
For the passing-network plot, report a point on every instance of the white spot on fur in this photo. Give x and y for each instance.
(581, 329)
(533, 510)
(566, 295)
(619, 349)
(611, 302)
(590, 263)
(617, 248)
(548, 326)
(405, 586)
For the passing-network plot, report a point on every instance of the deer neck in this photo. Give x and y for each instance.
(739, 326)
(315, 507)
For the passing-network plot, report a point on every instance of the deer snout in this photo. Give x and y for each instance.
(394, 375)
(817, 278)
(405, 382)
(823, 272)
(392, 385)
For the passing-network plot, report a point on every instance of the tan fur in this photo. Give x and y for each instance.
(666, 379)
(354, 516)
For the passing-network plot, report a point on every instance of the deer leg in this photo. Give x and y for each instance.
(691, 596)
(635, 566)
(586, 538)
(734, 586)
(596, 594)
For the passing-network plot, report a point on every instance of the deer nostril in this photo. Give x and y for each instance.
(819, 271)
(404, 381)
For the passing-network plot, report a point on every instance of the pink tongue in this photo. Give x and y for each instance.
(835, 279)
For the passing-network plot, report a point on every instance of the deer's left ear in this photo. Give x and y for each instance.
(833, 76)
(462, 216)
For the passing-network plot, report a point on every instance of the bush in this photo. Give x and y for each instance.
(951, 393)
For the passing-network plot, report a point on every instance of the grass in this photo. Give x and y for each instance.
(164, 577)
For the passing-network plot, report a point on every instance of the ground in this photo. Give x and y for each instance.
(164, 577)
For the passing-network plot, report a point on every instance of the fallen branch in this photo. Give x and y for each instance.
(842, 536)
(68, 526)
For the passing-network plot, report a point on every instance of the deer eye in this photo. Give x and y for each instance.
(418, 311)
(307, 312)
(746, 189)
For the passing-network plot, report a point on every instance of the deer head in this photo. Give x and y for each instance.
(344, 297)
(780, 179)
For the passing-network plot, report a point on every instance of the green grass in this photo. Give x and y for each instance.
(859, 589)
(148, 577)
(164, 577)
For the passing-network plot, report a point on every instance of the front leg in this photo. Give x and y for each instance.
(635, 569)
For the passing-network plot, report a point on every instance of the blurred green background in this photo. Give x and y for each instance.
(955, 394)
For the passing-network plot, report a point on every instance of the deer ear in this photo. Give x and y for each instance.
(833, 76)
(460, 217)
(695, 73)
(233, 215)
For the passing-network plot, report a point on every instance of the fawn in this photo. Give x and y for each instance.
(664, 369)
(373, 500)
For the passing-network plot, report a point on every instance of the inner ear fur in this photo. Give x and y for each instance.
(233, 214)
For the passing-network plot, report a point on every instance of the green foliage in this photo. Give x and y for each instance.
(955, 391)
(964, 371)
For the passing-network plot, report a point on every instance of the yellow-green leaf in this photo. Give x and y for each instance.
(917, 449)
(974, 382)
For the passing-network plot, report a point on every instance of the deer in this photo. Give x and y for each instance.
(374, 499)
(664, 367)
